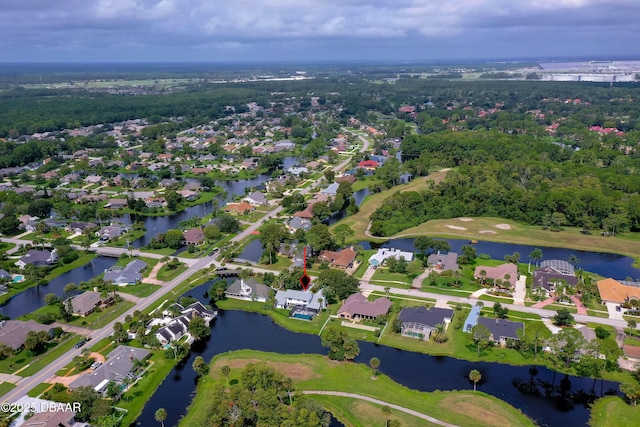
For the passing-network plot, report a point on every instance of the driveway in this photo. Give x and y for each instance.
(521, 290)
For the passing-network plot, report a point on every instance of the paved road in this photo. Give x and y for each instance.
(539, 311)
(380, 402)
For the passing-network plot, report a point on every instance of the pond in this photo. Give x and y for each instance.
(561, 400)
(33, 298)
(604, 264)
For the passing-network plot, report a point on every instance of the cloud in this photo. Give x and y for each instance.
(177, 27)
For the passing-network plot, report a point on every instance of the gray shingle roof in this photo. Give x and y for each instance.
(501, 328)
(430, 317)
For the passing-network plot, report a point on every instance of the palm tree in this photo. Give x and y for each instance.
(226, 370)
(483, 276)
(573, 260)
(536, 255)
(440, 333)
(386, 290)
(457, 275)
(161, 415)
(386, 411)
(375, 364)
(475, 376)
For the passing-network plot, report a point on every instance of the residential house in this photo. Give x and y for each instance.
(155, 202)
(256, 199)
(194, 236)
(368, 164)
(110, 232)
(618, 292)
(249, 290)
(189, 195)
(14, 332)
(38, 257)
(93, 179)
(79, 226)
(341, 259)
(4, 274)
(297, 170)
(304, 300)
(306, 213)
(507, 272)
(382, 254)
(346, 178)
(199, 310)
(283, 145)
(548, 278)
(28, 222)
(200, 171)
(116, 204)
(173, 331)
(562, 267)
(250, 163)
(242, 208)
(419, 322)
(53, 418)
(443, 262)
(169, 182)
(127, 275)
(85, 303)
(92, 198)
(357, 307)
(118, 366)
(297, 223)
(503, 332)
(331, 190)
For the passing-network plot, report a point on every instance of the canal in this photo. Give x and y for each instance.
(558, 400)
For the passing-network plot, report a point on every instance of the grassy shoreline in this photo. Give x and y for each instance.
(315, 372)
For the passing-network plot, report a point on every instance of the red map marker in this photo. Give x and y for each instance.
(305, 280)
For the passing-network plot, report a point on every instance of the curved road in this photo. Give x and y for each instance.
(380, 402)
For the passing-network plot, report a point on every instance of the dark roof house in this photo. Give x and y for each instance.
(249, 290)
(418, 322)
(502, 329)
(358, 307)
(443, 262)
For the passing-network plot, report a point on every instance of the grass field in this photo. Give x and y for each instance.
(140, 290)
(314, 372)
(612, 411)
(360, 221)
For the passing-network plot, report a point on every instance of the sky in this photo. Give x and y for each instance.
(315, 30)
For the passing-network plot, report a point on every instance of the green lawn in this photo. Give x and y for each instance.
(95, 320)
(612, 411)
(314, 372)
(140, 290)
(280, 316)
(383, 275)
(6, 388)
(18, 361)
(38, 390)
(165, 274)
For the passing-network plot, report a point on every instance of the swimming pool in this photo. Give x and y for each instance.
(303, 316)
(18, 279)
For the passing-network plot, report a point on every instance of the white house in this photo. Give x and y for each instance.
(381, 256)
(300, 299)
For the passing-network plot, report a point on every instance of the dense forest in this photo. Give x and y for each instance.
(517, 177)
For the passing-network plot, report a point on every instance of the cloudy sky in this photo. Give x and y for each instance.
(303, 30)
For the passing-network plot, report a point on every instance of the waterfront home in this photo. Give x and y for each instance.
(503, 332)
(382, 254)
(507, 273)
(173, 331)
(548, 278)
(304, 300)
(443, 262)
(85, 303)
(249, 290)
(38, 257)
(357, 307)
(331, 190)
(118, 366)
(13, 333)
(256, 199)
(195, 236)
(110, 232)
(116, 204)
(79, 227)
(341, 259)
(419, 322)
(127, 275)
(618, 292)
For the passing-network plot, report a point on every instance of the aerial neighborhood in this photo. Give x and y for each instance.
(134, 246)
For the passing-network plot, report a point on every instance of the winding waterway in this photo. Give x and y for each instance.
(561, 400)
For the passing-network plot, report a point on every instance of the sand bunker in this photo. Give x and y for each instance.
(455, 227)
(503, 226)
(466, 219)
(487, 232)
